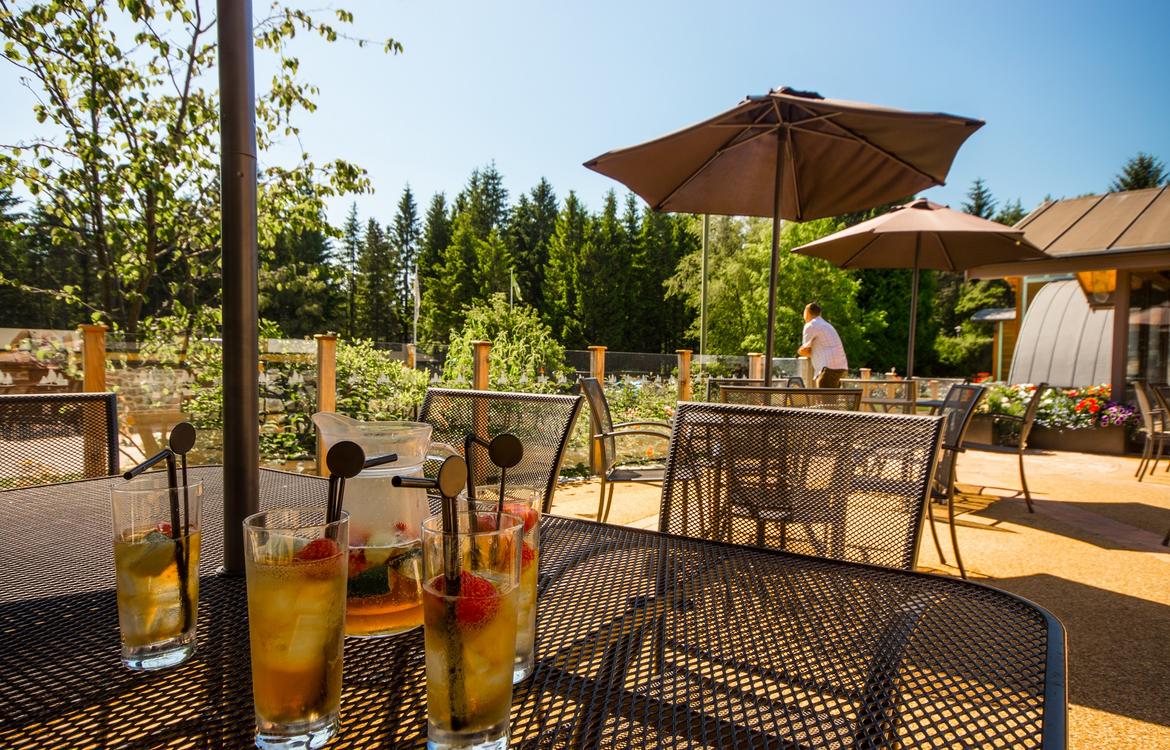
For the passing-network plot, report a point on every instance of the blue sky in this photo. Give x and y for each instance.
(1069, 90)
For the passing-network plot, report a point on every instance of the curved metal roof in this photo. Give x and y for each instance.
(1062, 341)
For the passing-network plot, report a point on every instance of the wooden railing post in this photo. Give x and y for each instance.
(93, 362)
(93, 357)
(597, 362)
(755, 366)
(684, 374)
(596, 370)
(480, 365)
(326, 387)
(866, 373)
(806, 371)
(411, 353)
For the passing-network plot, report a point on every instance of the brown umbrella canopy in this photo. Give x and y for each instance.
(922, 234)
(919, 235)
(835, 157)
(791, 155)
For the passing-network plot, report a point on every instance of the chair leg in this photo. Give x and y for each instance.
(1158, 455)
(1146, 447)
(955, 536)
(608, 504)
(933, 531)
(1166, 539)
(601, 499)
(1024, 483)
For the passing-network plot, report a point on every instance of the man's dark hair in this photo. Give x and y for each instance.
(813, 308)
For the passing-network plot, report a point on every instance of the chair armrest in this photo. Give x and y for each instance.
(955, 448)
(621, 433)
(657, 423)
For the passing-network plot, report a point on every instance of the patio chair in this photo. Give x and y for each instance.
(715, 385)
(887, 396)
(542, 422)
(1025, 423)
(1161, 397)
(1154, 426)
(957, 409)
(57, 437)
(840, 399)
(840, 485)
(603, 441)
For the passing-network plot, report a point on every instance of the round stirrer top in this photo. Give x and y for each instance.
(505, 450)
(182, 438)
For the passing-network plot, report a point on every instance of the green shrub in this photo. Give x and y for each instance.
(523, 347)
(372, 385)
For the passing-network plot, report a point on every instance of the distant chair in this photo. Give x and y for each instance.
(604, 442)
(542, 422)
(840, 485)
(794, 381)
(1155, 425)
(715, 385)
(840, 399)
(886, 396)
(957, 409)
(57, 437)
(1025, 423)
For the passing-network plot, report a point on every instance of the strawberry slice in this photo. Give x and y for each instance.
(478, 599)
(163, 527)
(530, 515)
(318, 549)
(357, 562)
(527, 556)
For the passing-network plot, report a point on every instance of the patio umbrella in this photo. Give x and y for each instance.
(920, 235)
(791, 155)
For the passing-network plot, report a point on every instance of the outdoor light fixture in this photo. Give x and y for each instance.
(1098, 286)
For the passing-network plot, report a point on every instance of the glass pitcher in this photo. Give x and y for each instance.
(384, 590)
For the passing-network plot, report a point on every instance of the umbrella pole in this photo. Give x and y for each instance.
(703, 296)
(913, 307)
(773, 278)
(241, 418)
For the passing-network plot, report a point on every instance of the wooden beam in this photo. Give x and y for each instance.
(684, 374)
(1120, 358)
(326, 387)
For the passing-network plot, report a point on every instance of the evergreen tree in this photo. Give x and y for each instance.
(456, 283)
(887, 290)
(603, 277)
(489, 204)
(1142, 171)
(1012, 212)
(351, 243)
(378, 316)
(436, 236)
(530, 227)
(299, 289)
(562, 287)
(493, 267)
(405, 237)
(979, 200)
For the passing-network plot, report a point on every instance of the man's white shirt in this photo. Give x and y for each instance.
(827, 349)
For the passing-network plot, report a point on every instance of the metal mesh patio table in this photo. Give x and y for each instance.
(644, 640)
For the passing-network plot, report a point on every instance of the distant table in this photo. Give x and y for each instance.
(644, 640)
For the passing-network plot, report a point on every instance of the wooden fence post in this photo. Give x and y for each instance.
(480, 364)
(596, 370)
(866, 373)
(93, 357)
(755, 366)
(93, 363)
(326, 387)
(597, 362)
(806, 372)
(684, 374)
(411, 353)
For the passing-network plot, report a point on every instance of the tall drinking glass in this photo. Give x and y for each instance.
(296, 569)
(469, 611)
(524, 502)
(157, 569)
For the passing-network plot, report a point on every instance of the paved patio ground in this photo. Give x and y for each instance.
(1090, 554)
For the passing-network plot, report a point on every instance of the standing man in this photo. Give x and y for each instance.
(823, 346)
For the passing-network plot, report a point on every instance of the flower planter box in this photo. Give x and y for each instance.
(1108, 440)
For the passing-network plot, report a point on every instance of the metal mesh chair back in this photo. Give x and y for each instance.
(840, 485)
(715, 385)
(957, 409)
(1030, 414)
(601, 421)
(542, 422)
(1148, 406)
(57, 437)
(1161, 394)
(795, 381)
(839, 399)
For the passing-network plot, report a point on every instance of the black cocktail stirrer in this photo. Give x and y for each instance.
(450, 482)
(181, 441)
(505, 451)
(345, 460)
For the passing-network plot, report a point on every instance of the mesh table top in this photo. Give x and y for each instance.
(643, 640)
